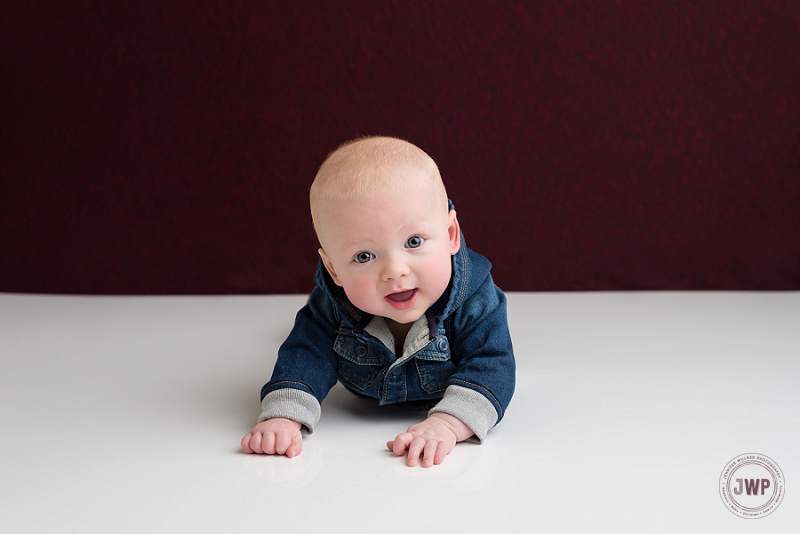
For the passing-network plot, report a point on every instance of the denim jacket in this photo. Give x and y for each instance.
(460, 359)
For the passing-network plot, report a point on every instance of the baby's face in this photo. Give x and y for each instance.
(391, 251)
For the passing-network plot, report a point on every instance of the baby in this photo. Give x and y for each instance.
(402, 311)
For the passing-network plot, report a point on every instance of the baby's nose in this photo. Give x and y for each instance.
(394, 268)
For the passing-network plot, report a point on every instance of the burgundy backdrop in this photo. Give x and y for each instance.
(167, 147)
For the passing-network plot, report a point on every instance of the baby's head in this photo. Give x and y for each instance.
(371, 165)
(381, 214)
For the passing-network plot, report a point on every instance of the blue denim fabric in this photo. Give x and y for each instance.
(469, 344)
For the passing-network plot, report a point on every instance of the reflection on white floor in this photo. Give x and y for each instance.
(468, 468)
(294, 473)
(124, 414)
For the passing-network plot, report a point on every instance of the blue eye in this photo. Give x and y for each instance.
(414, 241)
(363, 257)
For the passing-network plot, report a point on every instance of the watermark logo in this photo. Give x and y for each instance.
(752, 486)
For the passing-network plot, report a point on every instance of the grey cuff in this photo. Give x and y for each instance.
(471, 408)
(291, 404)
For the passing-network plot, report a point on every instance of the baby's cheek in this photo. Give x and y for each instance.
(439, 275)
(361, 295)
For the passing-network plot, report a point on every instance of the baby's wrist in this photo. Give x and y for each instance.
(284, 420)
(456, 425)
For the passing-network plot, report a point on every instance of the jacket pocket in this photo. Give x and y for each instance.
(359, 363)
(435, 367)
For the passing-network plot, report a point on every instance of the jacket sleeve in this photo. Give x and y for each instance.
(305, 370)
(481, 388)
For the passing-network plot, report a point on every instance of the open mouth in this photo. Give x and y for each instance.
(402, 299)
(401, 296)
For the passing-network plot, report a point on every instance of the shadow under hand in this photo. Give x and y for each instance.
(293, 473)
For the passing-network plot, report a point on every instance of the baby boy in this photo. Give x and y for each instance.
(402, 311)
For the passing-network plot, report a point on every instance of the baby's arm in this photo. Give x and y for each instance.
(433, 439)
(274, 436)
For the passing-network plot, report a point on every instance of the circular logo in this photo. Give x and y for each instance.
(751, 486)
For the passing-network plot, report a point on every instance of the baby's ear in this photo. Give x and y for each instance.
(453, 232)
(329, 266)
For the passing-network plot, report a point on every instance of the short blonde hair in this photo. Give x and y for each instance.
(364, 166)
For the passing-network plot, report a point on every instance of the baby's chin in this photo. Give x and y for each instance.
(404, 318)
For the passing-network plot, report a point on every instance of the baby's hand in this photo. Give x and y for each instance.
(274, 436)
(433, 439)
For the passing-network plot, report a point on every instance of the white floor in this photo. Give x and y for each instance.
(124, 414)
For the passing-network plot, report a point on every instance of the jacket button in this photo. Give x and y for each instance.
(443, 344)
(361, 350)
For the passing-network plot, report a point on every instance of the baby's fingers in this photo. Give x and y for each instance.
(415, 450)
(282, 442)
(442, 450)
(246, 443)
(400, 444)
(252, 443)
(295, 447)
(429, 453)
(267, 442)
(288, 443)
